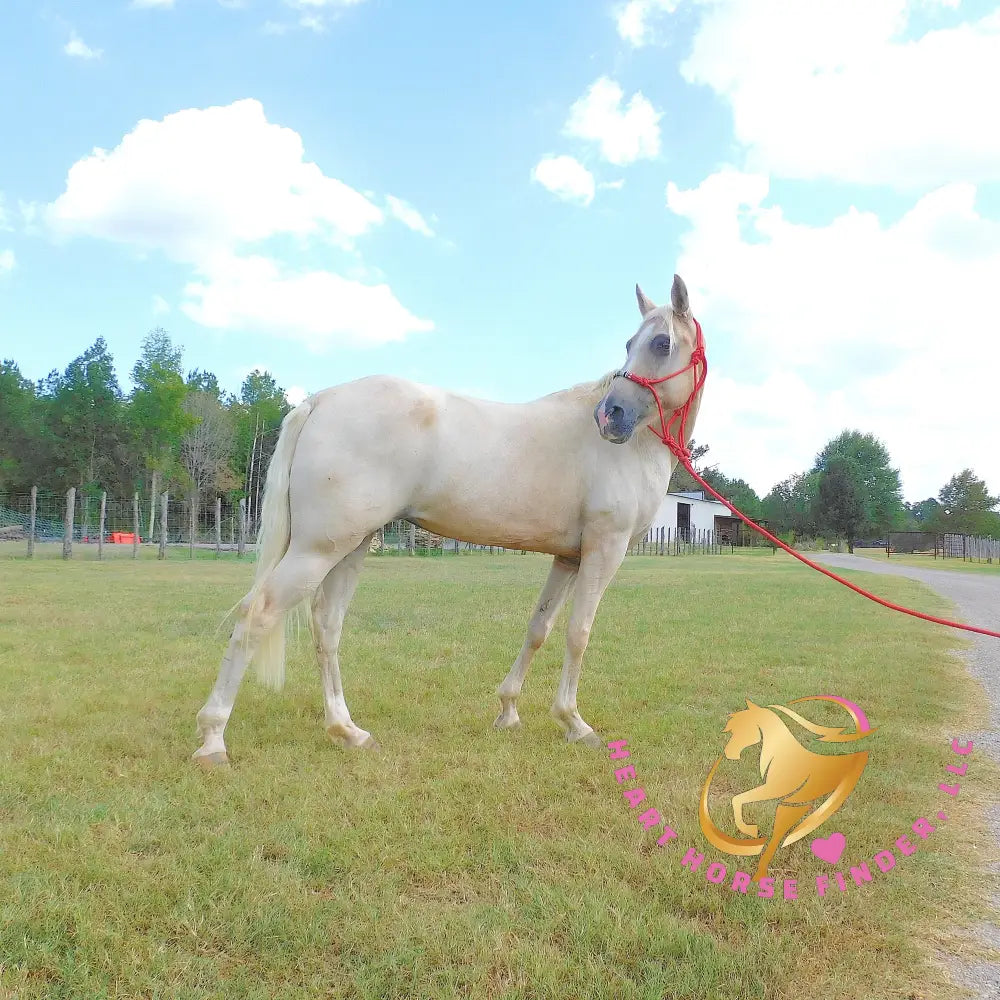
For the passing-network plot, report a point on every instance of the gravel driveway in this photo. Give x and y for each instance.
(977, 597)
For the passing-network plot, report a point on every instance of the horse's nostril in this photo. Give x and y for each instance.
(615, 413)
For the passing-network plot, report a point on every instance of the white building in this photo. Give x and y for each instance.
(690, 516)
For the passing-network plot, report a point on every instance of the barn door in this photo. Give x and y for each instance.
(684, 521)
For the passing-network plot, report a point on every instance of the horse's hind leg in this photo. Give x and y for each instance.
(295, 577)
(552, 598)
(785, 817)
(329, 607)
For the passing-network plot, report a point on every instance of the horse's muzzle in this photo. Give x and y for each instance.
(615, 422)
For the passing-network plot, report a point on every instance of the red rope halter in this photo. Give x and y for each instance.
(678, 445)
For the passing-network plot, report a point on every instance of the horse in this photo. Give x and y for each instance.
(793, 775)
(570, 474)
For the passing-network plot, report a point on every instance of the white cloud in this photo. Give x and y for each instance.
(842, 89)
(318, 308)
(7, 261)
(566, 178)
(633, 18)
(625, 133)
(883, 327)
(295, 394)
(209, 187)
(315, 15)
(408, 215)
(79, 49)
(160, 305)
(201, 180)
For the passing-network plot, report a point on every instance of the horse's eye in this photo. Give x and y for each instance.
(660, 344)
(628, 346)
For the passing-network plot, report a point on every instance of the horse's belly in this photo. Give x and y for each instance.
(510, 532)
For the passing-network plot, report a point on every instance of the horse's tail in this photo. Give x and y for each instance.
(272, 541)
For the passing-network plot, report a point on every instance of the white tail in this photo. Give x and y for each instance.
(272, 542)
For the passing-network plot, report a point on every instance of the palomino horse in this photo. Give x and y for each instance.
(570, 474)
(794, 776)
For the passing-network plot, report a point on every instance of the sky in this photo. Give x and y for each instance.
(466, 195)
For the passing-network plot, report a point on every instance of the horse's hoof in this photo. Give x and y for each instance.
(212, 761)
(590, 739)
(368, 743)
(502, 721)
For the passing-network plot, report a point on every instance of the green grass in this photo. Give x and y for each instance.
(929, 562)
(459, 861)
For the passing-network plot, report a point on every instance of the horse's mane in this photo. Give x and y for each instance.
(827, 734)
(583, 389)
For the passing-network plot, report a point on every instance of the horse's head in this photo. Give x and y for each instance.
(662, 345)
(745, 727)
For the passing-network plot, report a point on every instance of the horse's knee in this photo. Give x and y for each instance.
(577, 640)
(538, 632)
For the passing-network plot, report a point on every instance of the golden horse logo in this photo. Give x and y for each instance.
(795, 777)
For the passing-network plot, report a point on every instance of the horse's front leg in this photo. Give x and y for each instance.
(601, 557)
(552, 598)
(759, 794)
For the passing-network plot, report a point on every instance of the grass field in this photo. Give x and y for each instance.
(459, 861)
(929, 562)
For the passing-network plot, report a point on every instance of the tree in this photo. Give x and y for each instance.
(967, 507)
(19, 428)
(788, 507)
(83, 420)
(202, 381)
(206, 446)
(878, 482)
(738, 492)
(681, 481)
(257, 418)
(922, 516)
(838, 499)
(157, 408)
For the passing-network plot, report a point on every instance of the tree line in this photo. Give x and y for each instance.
(173, 432)
(181, 433)
(852, 491)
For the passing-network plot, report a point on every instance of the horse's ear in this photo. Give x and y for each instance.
(646, 305)
(750, 704)
(679, 296)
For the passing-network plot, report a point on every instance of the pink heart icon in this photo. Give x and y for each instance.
(829, 849)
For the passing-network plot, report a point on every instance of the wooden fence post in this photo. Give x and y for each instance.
(135, 526)
(218, 527)
(152, 505)
(192, 506)
(31, 522)
(243, 528)
(164, 507)
(67, 552)
(100, 529)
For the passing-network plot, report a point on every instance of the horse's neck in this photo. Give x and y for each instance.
(775, 740)
(655, 458)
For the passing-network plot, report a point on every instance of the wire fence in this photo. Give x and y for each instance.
(950, 545)
(199, 527)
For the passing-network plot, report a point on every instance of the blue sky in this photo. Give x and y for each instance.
(466, 195)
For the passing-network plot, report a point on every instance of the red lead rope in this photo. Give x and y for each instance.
(678, 445)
